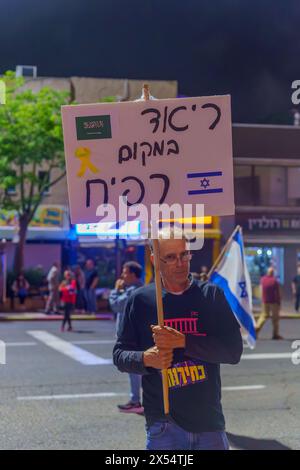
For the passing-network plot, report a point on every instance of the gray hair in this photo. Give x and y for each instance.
(168, 233)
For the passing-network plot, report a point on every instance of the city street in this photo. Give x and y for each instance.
(60, 391)
(173, 160)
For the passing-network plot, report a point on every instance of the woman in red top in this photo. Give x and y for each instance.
(68, 297)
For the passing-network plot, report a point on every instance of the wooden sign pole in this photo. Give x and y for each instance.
(158, 289)
(160, 317)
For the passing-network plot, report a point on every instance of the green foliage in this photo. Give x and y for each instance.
(30, 140)
(34, 276)
(108, 99)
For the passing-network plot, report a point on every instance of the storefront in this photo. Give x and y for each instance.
(110, 254)
(51, 238)
(271, 240)
(47, 236)
(109, 247)
(259, 259)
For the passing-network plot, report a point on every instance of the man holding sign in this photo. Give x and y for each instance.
(200, 333)
(146, 157)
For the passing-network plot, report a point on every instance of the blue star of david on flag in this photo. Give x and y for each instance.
(243, 287)
(204, 183)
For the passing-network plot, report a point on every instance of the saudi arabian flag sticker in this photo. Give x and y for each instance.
(93, 127)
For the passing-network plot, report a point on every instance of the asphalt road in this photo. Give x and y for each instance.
(64, 395)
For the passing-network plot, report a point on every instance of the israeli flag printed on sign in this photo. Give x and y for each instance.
(233, 277)
(208, 182)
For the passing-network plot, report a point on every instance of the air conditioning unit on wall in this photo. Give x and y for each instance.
(26, 71)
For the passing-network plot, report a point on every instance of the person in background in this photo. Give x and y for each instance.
(204, 273)
(296, 289)
(80, 284)
(130, 280)
(53, 287)
(271, 300)
(20, 289)
(91, 281)
(68, 297)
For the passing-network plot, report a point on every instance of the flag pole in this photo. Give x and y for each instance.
(158, 290)
(237, 228)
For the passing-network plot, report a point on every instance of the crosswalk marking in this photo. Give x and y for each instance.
(82, 342)
(70, 397)
(94, 341)
(74, 352)
(244, 387)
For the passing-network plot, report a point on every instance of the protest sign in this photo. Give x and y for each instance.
(152, 152)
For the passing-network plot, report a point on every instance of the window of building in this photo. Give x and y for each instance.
(266, 185)
(293, 185)
(243, 185)
(272, 189)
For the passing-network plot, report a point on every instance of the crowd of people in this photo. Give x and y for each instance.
(73, 290)
(77, 291)
(85, 282)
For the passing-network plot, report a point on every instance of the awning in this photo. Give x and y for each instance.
(268, 239)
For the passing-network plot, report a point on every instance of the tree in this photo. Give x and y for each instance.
(31, 140)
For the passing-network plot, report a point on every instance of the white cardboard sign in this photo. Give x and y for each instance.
(153, 152)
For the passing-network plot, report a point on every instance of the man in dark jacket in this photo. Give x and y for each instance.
(91, 282)
(124, 287)
(200, 333)
(296, 289)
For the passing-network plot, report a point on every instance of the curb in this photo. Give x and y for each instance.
(32, 316)
(286, 316)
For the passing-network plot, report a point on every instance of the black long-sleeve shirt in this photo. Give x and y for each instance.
(212, 337)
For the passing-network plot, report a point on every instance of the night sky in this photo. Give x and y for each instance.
(248, 48)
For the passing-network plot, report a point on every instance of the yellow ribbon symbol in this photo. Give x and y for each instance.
(84, 155)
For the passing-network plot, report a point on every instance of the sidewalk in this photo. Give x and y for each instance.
(287, 311)
(31, 316)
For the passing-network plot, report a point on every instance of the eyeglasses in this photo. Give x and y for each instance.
(184, 257)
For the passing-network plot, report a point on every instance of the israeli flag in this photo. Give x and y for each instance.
(231, 274)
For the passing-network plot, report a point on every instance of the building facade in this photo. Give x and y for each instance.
(267, 198)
